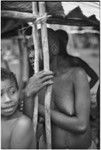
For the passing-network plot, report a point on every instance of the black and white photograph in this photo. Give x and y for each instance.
(50, 74)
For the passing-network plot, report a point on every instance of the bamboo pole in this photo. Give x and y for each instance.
(24, 67)
(5, 63)
(20, 83)
(25, 61)
(36, 66)
(24, 54)
(18, 15)
(46, 68)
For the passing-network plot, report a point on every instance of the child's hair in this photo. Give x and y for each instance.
(6, 74)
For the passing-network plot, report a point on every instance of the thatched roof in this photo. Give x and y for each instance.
(74, 18)
(8, 24)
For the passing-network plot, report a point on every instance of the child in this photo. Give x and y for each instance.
(16, 128)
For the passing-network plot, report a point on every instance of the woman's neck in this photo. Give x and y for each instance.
(60, 65)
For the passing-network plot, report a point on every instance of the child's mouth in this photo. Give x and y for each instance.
(9, 108)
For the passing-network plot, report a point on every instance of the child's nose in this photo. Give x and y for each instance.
(7, 98)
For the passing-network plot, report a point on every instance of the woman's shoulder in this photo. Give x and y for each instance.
(78, 71)
(79, 74)
(73, 71)
(75, 61)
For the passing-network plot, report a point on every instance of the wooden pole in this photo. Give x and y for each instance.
(20, 83)
(46, 68)
(24, 67)
(36, 65)
(25, 60)
(5, 63)
(26, 17)
(24, 52)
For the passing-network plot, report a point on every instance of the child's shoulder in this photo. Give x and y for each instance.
(22, 132)
(22, 121)
(22, 128)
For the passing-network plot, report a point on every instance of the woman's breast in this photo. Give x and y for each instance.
(64, 103)
(63, 97)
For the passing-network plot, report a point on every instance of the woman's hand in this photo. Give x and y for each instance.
(38, 81)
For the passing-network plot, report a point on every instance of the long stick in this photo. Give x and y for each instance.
(36, 66)
(25, 60)
(20, 43)
(24, 67)
(5, 63)
(18, 15)
(46, 68)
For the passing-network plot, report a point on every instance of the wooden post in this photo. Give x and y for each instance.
(36, 65)
(5, 63)
(20, 83)
(24, 16)
(46, 68)
(25, 59)
(24, 67)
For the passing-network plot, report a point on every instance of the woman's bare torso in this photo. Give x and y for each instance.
(63, 90)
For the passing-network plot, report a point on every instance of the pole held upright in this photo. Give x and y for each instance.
(48, 92)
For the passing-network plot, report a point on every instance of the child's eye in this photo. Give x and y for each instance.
(12, 91)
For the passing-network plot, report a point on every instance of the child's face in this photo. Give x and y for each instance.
(32, 58)
(9, 97)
